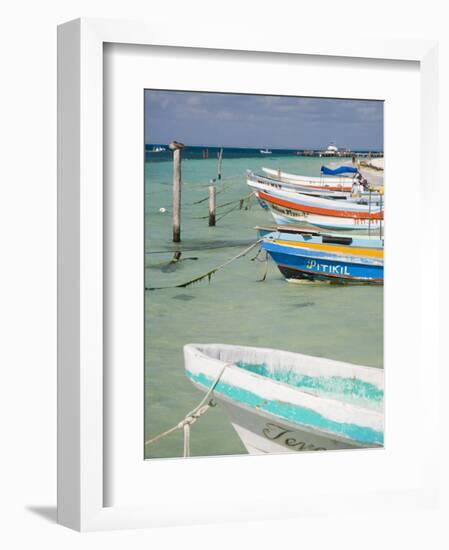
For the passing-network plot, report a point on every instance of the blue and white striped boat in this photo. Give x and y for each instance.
(279, 401)
(320, 257)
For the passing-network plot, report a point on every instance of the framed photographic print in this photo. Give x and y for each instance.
(225, 211)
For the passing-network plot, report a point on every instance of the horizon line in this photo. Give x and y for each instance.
(376, 149)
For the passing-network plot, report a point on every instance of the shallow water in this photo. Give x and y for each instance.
(338, 322)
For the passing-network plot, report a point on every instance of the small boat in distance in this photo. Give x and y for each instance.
(278, 401)
(266, 152)
(157, 149)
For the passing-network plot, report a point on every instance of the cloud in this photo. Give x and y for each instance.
(256, 121)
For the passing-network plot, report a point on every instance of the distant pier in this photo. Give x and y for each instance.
(345, 153)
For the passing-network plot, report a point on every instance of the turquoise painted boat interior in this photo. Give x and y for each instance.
(295, 414)
(350, 390)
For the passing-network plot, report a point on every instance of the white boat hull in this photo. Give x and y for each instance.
(282, 216)
(342, 183)
(263, 434)
(276, 417)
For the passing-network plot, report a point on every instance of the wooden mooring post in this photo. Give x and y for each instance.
(212, 204)
(177, 150)
(220, 161)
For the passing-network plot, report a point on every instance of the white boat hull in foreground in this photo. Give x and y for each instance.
(279, 401)
(261, 434)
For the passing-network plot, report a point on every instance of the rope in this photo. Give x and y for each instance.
(191, 185)
(227, 203)
(209, 247)
(264, 276)
(191, 417)
(238, 204)
(223, 189)
(207, 198)
(229, 211)
(209, 273)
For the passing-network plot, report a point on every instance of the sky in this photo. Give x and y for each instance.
(235, 120)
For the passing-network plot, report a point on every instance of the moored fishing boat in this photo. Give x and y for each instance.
(330, 223)
(350, 214)
(264, 183)
(357, 206)
(278, 401)
(339, 182)
(319, 257)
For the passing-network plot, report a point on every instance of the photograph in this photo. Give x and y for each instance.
(264, 270)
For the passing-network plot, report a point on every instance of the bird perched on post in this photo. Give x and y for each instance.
(176, 145)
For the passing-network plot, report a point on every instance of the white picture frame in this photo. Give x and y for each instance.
(82, 491)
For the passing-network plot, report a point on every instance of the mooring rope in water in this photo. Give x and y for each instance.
(209, 273)
(264, 276)
(191, 417)
(238, 204)
(208, 247)
(222, 181)
(223, 189)
(207, 198)
(228, 203)
(264, 260)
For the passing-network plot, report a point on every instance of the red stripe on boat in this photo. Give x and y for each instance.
(322, 211)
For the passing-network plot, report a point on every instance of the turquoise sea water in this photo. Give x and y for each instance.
(338, 322)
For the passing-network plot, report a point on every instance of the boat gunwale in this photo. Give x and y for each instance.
(292, 229)
(358, 241)
(324, 222)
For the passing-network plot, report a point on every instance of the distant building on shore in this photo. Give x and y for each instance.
(331, 151)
